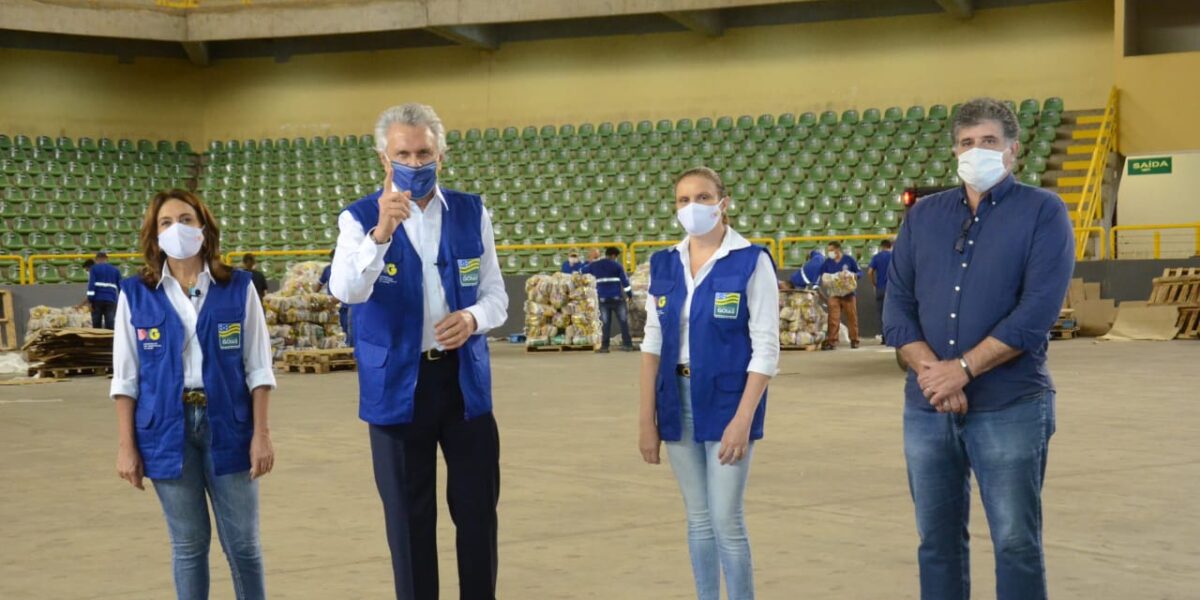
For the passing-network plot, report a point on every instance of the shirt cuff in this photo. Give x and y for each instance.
(260, 378)
(481, 323)
(650, 347)
(763, 366)
(370, 254)
(898, 337)
(123, 387)
(1019, 339)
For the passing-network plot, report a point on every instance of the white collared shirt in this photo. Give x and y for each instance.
(256, 342)
(359, 261)
(762, 301)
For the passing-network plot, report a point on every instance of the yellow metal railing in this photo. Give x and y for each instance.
(1157, 229)
(770, 243)
(31, 278)
(811, 239)
(1091, 201)
(20, 260)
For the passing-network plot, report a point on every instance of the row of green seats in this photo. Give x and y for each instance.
(88, 144)
(267, 144)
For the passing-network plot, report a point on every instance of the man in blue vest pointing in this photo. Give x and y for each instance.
(419, 263)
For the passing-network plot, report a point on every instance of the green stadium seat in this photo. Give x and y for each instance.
(1053, 103)
(1027, 120)
(893, 114)
(745, 123)
(1033, 179)
(808, 119)
(786, 120)
(1029, 106)
(1051, 117)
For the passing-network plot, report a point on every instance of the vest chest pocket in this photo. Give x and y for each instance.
(660, 290)
(468, 256)
(729, 300)
(228, 329)
(151, 333)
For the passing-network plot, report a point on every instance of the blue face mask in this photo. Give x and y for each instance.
(418, 181)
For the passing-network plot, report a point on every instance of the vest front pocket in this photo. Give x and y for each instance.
(372, 370)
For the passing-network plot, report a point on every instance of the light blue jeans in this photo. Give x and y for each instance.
(713, 495)
(235, 505)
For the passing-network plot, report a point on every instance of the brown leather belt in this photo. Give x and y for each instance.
(195, 397)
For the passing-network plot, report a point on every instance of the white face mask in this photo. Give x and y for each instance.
(181, 241)
(699, 219)
(981, 168)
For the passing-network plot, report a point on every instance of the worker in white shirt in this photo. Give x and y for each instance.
(711, 345)
(419, 263)
(192, 380)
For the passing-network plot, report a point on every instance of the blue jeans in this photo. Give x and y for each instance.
(610, 308)
(713, 495)
(1007, 450)
(235, 504)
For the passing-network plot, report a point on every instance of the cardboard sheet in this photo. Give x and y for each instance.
(1095, 317)
(1138, 321)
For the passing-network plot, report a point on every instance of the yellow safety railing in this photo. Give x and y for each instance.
(810, 239)
(1157, 229)
(1091, 201)
(1086, 234)
(32, 276)
(20, 260)
(770, 243)
(229, 255)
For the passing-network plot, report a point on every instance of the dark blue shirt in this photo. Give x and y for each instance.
(1008, 282)
(880, 263)
(847, 263)
(810, 274)
(104, 282)
(611, 281)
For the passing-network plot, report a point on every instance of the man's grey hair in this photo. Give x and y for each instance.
(410, 114)
(979, 110)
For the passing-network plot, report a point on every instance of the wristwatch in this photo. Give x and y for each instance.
(962, 361)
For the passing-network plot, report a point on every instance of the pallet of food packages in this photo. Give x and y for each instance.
(46, 317)
(300, 316)
(803, 320)
(561, 312)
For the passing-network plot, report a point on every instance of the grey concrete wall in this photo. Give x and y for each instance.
(1119, 279)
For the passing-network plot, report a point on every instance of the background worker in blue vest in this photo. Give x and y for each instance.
(192, 380)
(343, 308)
(613, 291)
(711, 346)
(877, 273)
(103, 285)
(809, 275)
(573, 264)
(418, 262)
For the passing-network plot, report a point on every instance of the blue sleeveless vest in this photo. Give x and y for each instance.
(160, 342)
(718, 341)
(388, 326)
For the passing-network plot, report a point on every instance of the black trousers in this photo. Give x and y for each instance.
(387, 455)
(472, 452)
(103, 314)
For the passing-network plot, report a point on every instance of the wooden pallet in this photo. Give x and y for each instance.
(8, 324)
(1189, 322)
(64, 372)
(808, 348)
(560, 348)
(1064, 334)
(319, 368)
(1177, 286)
(319, 361)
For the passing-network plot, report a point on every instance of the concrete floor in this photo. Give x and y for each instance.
(581, 517)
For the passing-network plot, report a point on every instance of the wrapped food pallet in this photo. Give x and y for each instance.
(640, 282)
(300, 316)
(561, 313)
(45, 317)
(802, 320)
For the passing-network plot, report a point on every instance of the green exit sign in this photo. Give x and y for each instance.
(1150, 166)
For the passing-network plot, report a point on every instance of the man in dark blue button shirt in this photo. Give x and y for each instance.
(976, 281)
(614, 291)
(877, 273)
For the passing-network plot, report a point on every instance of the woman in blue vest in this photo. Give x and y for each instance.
(711, 345)
(191, 381)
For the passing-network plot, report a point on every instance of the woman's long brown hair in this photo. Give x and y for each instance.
(210, 252)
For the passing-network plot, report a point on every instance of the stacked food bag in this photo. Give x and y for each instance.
(839, 284)
(45, 317)
(640, 282)
(802, 319)
(562, 310)
(299, 316)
